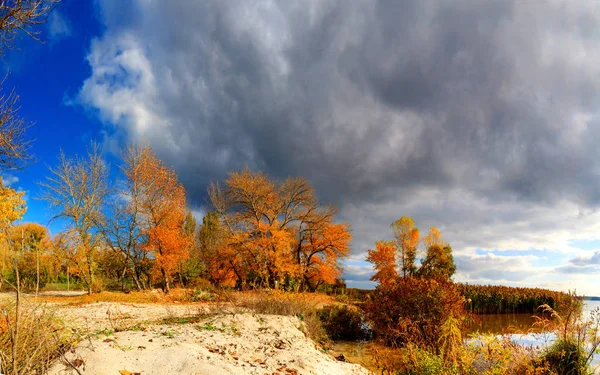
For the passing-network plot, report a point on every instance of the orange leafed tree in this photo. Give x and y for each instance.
(163, 207)
(383, 258)
(277, 232)
(407, 240)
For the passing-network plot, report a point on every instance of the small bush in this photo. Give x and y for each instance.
(97, 285)
(412, 360)
(200, 295)
(564, 357)
(413, 311)
(40, 339)
(343, 322)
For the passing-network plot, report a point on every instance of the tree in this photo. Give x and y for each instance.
(12, 207)
(407, 240)
(76, 190)
(125, 227)
(277, 232)
(32, 241)
(383, 258)
(439, 262)
(213, 256)
(163, 209)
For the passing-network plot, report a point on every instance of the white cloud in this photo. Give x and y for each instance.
(59, 27)
(9, 180)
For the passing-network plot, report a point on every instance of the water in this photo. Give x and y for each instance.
(494, 324)
(498, 324)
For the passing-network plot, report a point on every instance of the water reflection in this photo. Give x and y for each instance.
(518, 327)
(355, 352)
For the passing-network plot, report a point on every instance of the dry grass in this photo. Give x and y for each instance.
(41, 338)
(153, 296)
(279, 303)
(303, 305)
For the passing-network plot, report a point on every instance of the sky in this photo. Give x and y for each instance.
(477, 117)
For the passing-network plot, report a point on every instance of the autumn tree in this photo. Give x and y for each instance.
(12, 208)
(213, 257)
(68, 254)
(162, 201)
(438, 262)
(277, 232)
(32, 242)
(407, 241)
(383, 258)
(76, 190)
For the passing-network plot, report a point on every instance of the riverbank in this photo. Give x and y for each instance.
(154, 333)
(218, 344)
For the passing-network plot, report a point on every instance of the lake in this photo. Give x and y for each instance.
(495, 324)
(509, 323)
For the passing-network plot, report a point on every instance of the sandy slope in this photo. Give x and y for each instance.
(219, 344)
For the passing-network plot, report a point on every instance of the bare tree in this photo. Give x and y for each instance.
(76, 191)
(124, 228)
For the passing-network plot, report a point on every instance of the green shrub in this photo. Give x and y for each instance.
(564, 357)
(343, 322)
(416, 361)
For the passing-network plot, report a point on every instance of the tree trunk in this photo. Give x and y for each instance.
(166, 288)
(37, 271)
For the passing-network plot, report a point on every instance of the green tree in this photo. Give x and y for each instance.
(439, 262)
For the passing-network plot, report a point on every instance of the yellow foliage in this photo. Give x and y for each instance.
(12, 207)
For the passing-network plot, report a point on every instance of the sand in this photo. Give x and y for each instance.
(217, 343)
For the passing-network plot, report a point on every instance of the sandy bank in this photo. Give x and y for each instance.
(222, 344)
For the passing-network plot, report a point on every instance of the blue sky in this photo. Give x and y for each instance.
(486, 129)
(47, 76)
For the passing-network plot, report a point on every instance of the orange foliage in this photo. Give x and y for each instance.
(407, 239)
(384, 259)
(434, 238)
(277, 233)
(163, 204)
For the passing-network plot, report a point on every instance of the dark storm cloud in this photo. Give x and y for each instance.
(368, 97)
(478, 117)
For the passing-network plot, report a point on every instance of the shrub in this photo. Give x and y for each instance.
(342, 322)
(31, 340)
(413, 311)
(565, 357)
(416, 361)
(97, 285)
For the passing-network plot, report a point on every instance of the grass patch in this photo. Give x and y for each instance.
(30, 342)
(305, 306)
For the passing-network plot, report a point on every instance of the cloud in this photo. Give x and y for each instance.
(9, 180)
(476, 117)
(59, 27)
(585, 263)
